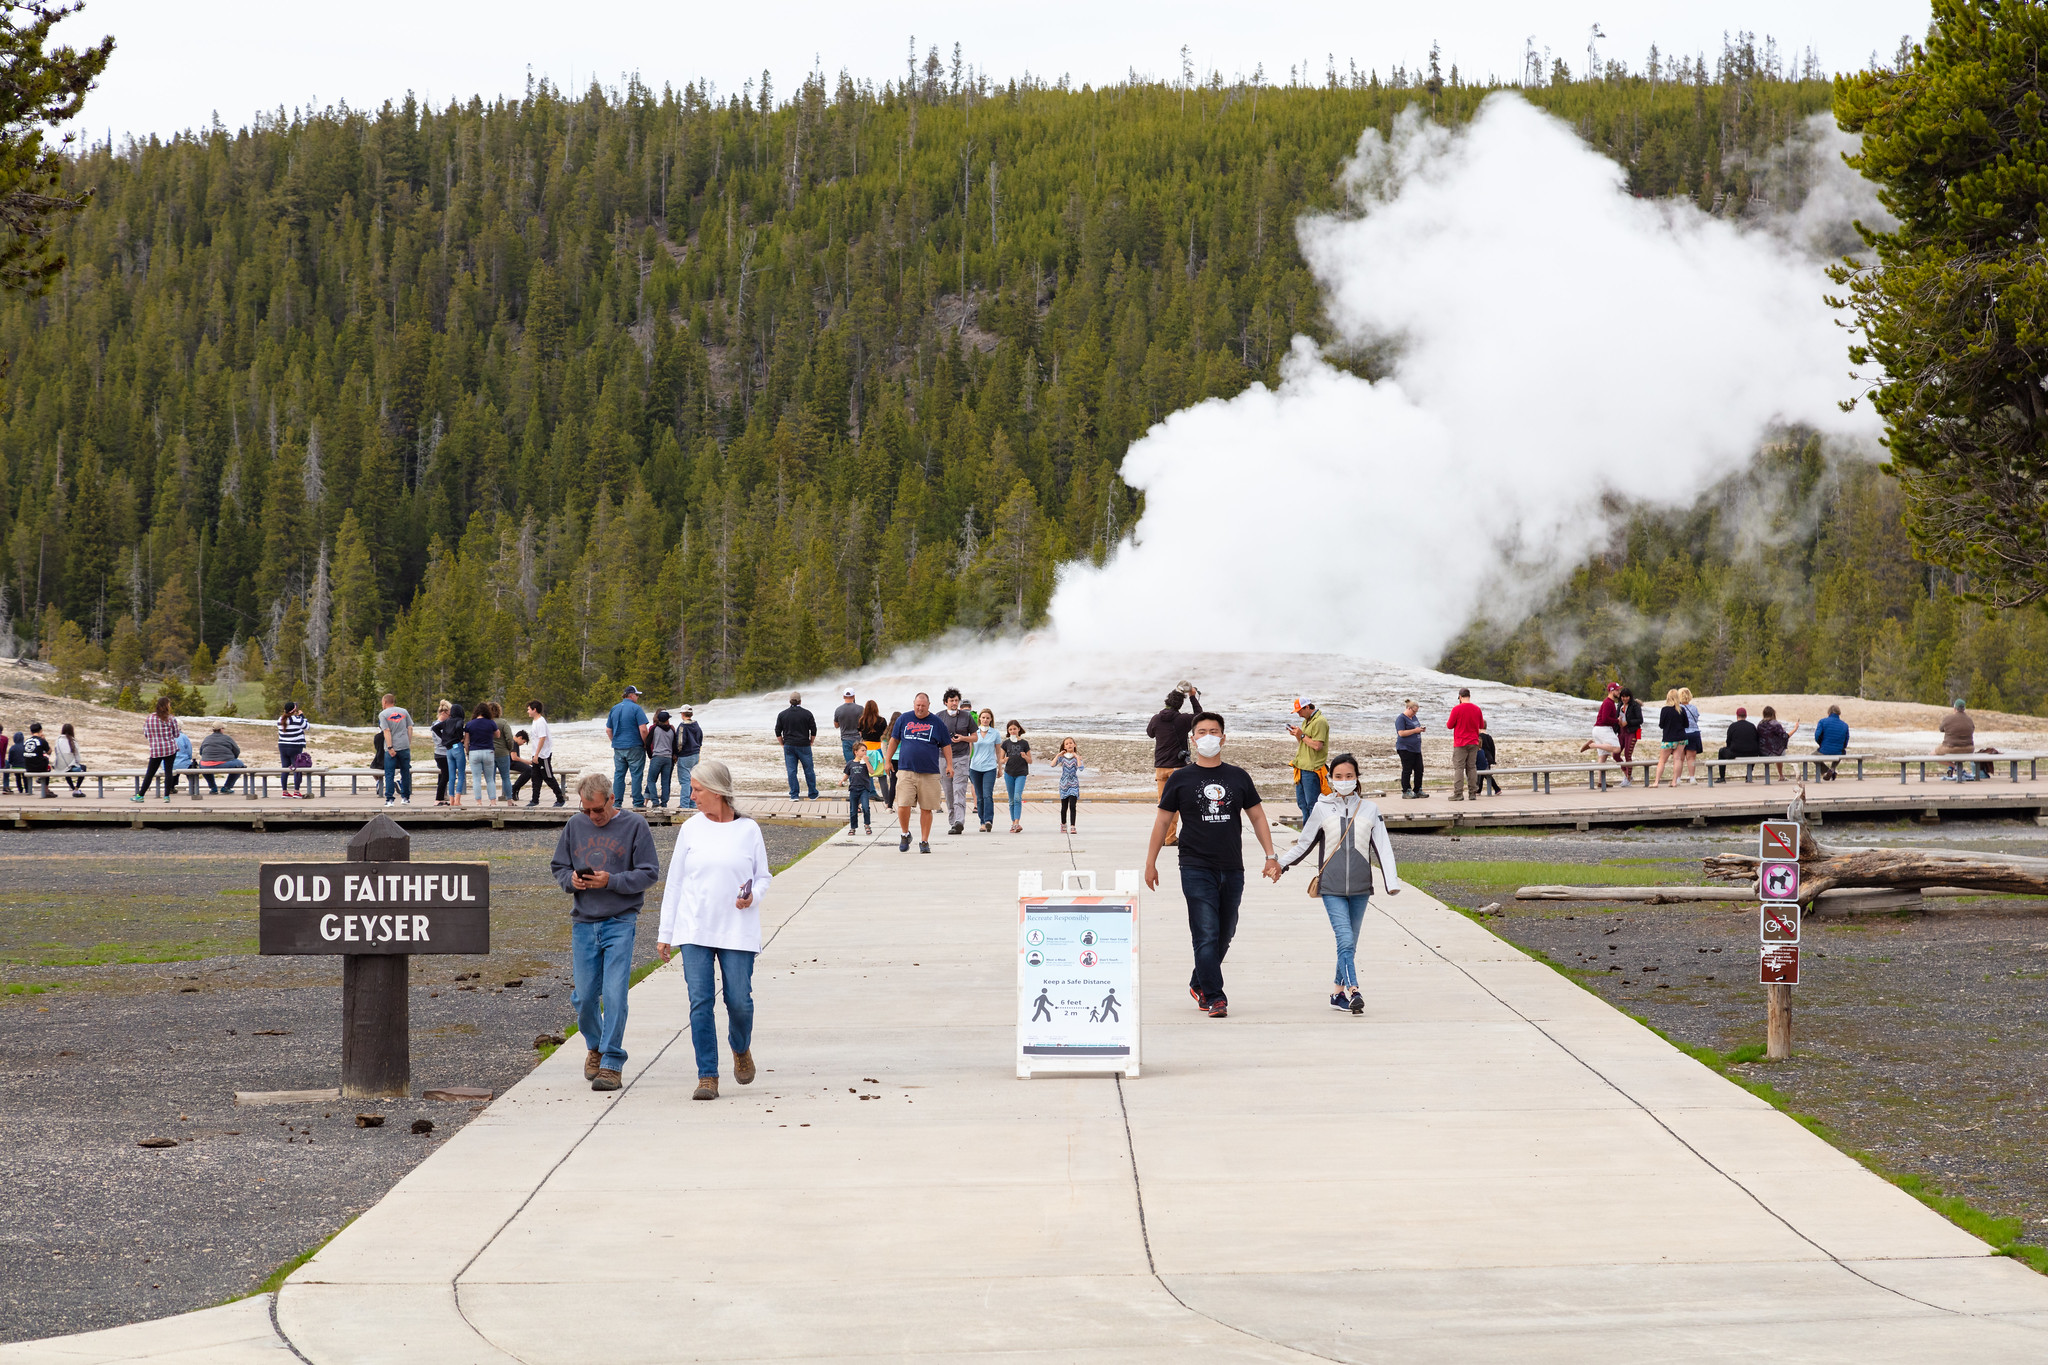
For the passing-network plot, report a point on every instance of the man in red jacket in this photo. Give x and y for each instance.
(1465, 722)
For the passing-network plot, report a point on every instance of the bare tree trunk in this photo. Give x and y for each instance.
(1900, 868)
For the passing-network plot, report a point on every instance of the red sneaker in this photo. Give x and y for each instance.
(1218, 1007)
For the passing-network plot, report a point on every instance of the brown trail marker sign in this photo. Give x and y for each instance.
(377, 910)
(1778, 931)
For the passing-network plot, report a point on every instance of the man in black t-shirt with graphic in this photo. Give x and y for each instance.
(1210, 798)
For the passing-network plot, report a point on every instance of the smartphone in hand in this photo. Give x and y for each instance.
(747, 889)
(585, 873)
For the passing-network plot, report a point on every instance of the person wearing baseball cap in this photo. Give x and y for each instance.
(626, 727)
(847, 717)
(689, 748)
(1311, 755)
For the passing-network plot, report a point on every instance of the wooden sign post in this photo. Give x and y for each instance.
(1778, 932)
(377, 909)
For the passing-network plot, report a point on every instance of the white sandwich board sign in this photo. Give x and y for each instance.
(1077, 977)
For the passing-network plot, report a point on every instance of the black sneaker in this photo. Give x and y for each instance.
(1357, 1003)
(1218, 1007)
(956, 829)
(903, 845)
(923, 847)
(1201, 1000)
(1340, 1001)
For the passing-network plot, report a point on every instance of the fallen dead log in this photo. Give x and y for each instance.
(1684, 895)
(1897, 869)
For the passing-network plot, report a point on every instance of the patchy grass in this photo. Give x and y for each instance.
(274, 1281)
(1506, 876)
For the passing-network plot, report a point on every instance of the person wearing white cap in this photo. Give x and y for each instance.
(1311, 755)
(847, 718)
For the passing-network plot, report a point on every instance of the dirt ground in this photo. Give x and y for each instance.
(132, 1005)
(1918, 1035)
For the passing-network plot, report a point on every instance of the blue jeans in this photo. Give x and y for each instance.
(736, 965)
(229, 763)
(790, 758)
(603, 954)
(504, 775)
(1014, 784)
(685, 765)
(849, 747)
(1346, 914)
(395, 761)
(858, 809)
(458, 771)
(1308, 790)
(624, 761)
(287, 754)
(660, 772)
(1212, 899)
(483, 767)
(984, 794)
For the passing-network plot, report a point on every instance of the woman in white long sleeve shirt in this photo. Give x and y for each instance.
(1347, 825)
(711, 913)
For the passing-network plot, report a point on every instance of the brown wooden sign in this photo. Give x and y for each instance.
(381, 908)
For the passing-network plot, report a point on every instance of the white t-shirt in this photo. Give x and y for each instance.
(710, 862)
(537, 735)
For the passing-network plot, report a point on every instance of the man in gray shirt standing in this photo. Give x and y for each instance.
(847, 718)
(606, 860)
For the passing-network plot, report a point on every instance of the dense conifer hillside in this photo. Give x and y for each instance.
(1795, 576)
(540, 396)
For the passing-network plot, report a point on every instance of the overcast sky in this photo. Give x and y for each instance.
(175, 65)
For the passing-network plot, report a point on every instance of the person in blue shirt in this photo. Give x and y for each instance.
(626, 727)
(1831, 736)
(920, 748)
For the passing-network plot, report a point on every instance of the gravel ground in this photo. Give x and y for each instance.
(99, 1050)
(1917, 1036)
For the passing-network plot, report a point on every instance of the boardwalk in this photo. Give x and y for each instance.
(1490, 1165)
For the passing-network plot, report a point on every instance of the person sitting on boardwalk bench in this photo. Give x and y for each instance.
(1959, 736)
(1831, 736)
(219, 750)
(1742, 742)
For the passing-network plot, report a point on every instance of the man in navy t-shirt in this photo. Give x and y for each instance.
(920, 747)
(626, 727)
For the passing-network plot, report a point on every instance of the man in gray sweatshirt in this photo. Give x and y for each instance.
(219, 750)
(606, 860)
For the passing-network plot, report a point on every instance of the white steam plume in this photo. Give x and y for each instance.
(1551, 339)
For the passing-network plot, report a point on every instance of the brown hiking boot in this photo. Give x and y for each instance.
(591, 1061)
(707, 1088)
(605, 1079)
(743, 1067)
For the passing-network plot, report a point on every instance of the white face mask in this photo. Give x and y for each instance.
(1344, 786)
(1208, 746)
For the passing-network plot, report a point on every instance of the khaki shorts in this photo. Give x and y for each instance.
(919, 789)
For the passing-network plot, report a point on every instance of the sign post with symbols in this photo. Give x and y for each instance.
(1777, 881)
(378, 910)
(1077, 977)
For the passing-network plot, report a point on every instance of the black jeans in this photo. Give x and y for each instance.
(149, 775)
(1212, 899)
(540, 772)
(1411, 771)
(440, 779)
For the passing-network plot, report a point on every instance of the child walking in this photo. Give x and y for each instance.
(860, 784)
(1068, 765)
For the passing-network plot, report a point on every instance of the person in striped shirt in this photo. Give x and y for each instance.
(160, 729)
(291, 742)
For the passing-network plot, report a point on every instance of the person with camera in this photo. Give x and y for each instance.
(1168, 731)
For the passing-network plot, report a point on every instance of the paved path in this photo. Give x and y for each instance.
(1491, 1164)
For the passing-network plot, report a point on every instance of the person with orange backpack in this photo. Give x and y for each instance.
(1311, 756)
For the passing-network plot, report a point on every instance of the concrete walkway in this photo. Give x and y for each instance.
(1491, 1164)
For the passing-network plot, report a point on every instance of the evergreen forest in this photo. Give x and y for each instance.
(1795, 575)
(707, 390)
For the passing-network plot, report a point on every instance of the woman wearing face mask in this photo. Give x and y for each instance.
(1344, 876)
